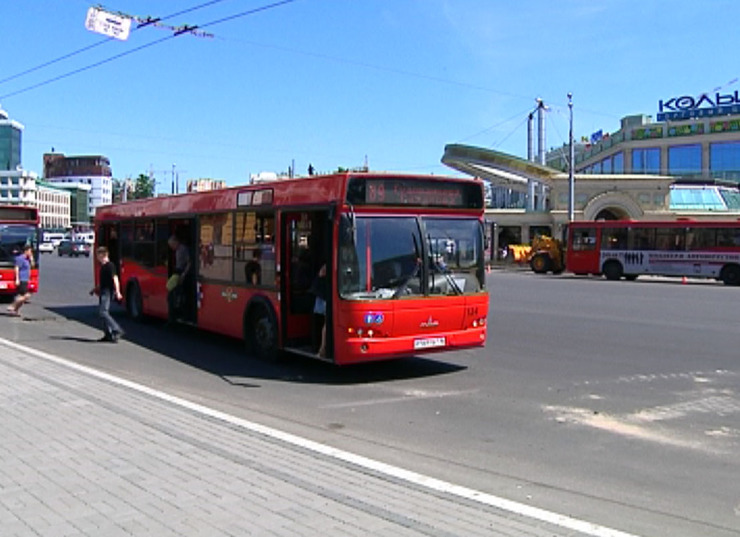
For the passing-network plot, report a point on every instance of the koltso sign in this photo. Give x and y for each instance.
(705, 105)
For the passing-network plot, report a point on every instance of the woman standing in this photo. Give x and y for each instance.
(23, 266)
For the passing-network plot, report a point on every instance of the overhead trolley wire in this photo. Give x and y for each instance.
(131, 51)
(106, 40)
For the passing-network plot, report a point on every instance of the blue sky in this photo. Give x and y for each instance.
(333, 82)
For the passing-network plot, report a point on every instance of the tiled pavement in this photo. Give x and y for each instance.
(85, 454)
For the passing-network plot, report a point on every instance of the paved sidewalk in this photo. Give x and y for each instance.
(83, 454)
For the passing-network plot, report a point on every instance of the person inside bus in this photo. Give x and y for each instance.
(23, 266)
(319, 289)
(176, 298)
(253, 269)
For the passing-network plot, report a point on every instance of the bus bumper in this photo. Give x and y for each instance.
(353, 350)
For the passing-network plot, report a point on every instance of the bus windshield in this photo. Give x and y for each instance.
(13, 237)
(381, 257)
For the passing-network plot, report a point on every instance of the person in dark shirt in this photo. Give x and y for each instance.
(109, 287)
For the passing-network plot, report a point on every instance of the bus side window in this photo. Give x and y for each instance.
(584, 239)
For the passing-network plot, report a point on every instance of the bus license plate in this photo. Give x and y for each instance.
(429, 343)
(3, 285)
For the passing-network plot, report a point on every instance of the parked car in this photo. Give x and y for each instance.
(73, 248)
(53, 238)
(46, 248)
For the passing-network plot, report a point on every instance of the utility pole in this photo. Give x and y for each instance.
(571, 166)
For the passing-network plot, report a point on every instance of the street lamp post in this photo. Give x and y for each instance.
(571, 166)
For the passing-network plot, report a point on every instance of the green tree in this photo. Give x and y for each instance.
(143, 187)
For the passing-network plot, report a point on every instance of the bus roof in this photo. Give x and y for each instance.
(303, 191)
(19, 214)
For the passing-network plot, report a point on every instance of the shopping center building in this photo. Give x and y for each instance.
(685, 165)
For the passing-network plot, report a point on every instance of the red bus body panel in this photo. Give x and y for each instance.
(456, 319)
(7, 281)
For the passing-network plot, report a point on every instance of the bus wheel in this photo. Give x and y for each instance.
(612, 270)
(540, 263)
(260, 333)
(134, 302)
(730, 275)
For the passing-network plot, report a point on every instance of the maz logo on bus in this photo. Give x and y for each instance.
(429, 323)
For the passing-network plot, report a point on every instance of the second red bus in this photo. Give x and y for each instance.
(629, 249)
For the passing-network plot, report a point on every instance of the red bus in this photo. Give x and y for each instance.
(628, 249)
(19, 226)
(404, 257)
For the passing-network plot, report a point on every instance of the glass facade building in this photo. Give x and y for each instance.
(10, 142)
(700, 149)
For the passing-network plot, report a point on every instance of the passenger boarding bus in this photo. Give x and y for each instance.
(629, 249)
(19, 226)
(404, 258)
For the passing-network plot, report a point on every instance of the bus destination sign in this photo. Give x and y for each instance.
(21, 214)
(414, 192)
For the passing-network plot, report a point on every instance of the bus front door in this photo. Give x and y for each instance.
(306, 240)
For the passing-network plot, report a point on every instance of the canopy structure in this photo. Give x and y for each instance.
(499, 168)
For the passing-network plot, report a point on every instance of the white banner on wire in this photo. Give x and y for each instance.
(110, 24)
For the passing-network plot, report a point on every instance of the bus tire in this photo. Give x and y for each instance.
(134, 302)
(261, 331)
(730, 275)
(540, 263)
(613, 270)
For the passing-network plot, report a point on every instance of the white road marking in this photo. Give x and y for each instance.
(411, 395)
(417, 479)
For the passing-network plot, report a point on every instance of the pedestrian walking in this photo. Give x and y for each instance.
(109, 287)
(23, 266)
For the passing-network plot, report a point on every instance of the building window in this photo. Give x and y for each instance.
(618, 162)
(684, 159)
(646, 160)
(724, 160)
(607, 165)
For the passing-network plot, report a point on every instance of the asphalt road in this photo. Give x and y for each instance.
(613, 402)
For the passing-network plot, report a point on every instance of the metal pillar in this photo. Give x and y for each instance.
(541, 151)
(571, 165)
